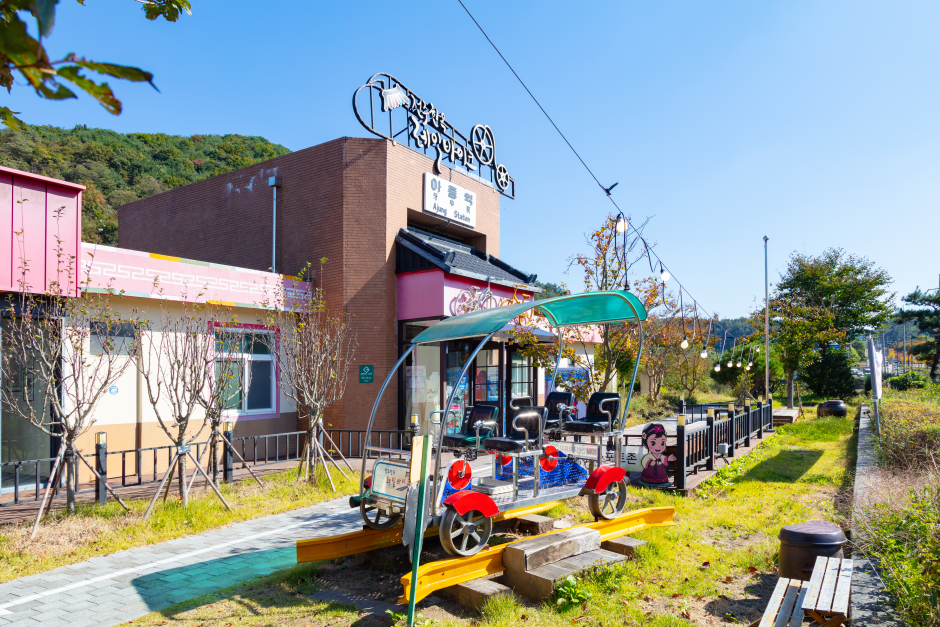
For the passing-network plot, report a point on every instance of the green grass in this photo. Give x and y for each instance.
(95, 530)
(723, 543)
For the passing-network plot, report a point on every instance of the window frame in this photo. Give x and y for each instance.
(245, 358)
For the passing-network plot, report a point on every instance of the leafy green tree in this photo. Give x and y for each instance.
(830, 376)
(21, 53)
(859, 347)
(927, 318)
(741, 377)
(550, 290)
(121, 168)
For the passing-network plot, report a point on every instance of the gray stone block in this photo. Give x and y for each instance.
(625, 546)
(473, 594)
(531, 554)
(540, 582)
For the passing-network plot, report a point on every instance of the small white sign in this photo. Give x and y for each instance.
(631, 458)
(578, 450)
(450, 201)
(113, 390)
(390, 480)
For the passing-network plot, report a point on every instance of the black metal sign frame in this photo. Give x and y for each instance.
(425, 127)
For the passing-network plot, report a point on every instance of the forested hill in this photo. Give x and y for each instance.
(118, 169)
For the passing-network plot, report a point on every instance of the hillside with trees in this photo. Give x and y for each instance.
(120, 168)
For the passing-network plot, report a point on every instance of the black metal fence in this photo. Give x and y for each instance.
(26, 479)
(699, 444)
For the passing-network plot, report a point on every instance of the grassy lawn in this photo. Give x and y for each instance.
(716, 566)
(95, 530)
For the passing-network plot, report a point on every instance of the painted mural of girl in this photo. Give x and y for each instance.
(654, 463)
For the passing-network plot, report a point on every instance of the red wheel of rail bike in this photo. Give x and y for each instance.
(459, 474)
(550, 460)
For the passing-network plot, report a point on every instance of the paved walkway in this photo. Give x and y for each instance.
(116, 588)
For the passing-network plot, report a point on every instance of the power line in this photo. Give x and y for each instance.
(649, 251)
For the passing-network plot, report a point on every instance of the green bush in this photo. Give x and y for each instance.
(910, 434)
(909, 381)
(830, 376)
(904, 540)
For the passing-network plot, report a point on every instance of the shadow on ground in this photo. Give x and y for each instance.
(786, 466)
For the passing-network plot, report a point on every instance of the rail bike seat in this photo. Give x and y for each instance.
(526, 432)
(467, 436)
(555, 415)
(602, 410)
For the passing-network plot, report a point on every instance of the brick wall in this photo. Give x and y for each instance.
(344, 200)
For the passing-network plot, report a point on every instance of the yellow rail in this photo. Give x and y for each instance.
(450, 572)
(333, 547)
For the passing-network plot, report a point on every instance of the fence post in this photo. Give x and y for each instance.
(682, 404)
(750, 422)
(228, 470)
(733, 444)
(712, 440)
(760, 416)
(101, 466)
(680, 456)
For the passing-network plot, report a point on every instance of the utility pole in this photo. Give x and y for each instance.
(766, 326)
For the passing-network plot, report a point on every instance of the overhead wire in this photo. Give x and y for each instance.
(606, 190)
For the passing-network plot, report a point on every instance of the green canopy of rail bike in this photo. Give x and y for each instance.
(562, 311)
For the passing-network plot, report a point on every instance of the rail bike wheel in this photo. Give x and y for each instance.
(461, 535)
(376, 520)
(609, 503)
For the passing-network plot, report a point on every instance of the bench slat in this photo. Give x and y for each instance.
(840, 602)
(774, 604)
(824, 602)
(789, 599)
(815, 584)
(798, 614)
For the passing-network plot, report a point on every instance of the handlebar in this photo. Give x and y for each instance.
(526, 431)
(610, 418)
(484, 423)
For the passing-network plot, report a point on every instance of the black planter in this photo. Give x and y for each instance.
(800, 545)
(832, 408)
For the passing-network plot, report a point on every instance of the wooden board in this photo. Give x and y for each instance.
(774, 604)
(798, 614)
(840, 602)
(789, 600)
(824, 602)
(815, 584)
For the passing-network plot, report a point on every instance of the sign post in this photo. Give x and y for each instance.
(424, 442)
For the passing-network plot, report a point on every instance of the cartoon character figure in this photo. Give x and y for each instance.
(654, 463)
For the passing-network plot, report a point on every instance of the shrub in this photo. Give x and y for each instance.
(910, 434)
(909, 381)
(904, 540)
(831, 375)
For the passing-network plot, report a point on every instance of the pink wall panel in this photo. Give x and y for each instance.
(420, 294)
(62, 223)
(6, 232)
(29, 233)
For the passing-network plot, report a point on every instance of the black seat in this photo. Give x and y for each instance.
(467, 436)
(595, 420)
(532, 419)
(552, 401)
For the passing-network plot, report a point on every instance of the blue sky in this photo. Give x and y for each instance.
(815, 123)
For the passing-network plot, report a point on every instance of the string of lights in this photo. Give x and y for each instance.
(623, 221)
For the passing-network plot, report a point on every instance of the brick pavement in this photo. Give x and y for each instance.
(116, 588)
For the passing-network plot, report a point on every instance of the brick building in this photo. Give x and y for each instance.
(393, 264)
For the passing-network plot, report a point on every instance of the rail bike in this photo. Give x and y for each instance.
(546, 453)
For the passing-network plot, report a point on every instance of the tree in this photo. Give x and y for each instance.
(20, 52)
(64, 345)
(748, 378)
(830, 376)
(313, 350)
(927, 319)
(177, 362)
(550, 290)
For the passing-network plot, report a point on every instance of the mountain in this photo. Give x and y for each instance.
(120, 168)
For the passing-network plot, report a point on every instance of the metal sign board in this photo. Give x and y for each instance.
(366, 374)
(578, 450)
(450, 201)
(418, 122)
(390, 479)
(632, 456)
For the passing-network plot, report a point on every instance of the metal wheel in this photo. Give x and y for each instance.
(609, 503)
(484, 146)
(502, 177)
(378, 520)
(461, 535)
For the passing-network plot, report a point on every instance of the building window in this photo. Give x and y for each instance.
(247, 357)
(117, 338)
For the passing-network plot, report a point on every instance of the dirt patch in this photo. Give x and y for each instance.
(727, 540)
(742, 600)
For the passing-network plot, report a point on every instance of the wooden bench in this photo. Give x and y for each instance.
(824, 598)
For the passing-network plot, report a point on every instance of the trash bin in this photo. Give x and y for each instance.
(832, 408)
(800, 545)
